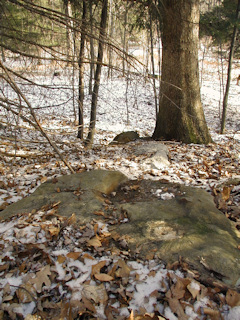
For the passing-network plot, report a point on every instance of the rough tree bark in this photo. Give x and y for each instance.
(103, 25)
(81, 73)
(181, 115)
(231, 54)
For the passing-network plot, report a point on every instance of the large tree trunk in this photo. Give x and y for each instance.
(180, 114)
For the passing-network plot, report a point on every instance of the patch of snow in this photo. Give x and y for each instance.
(234, 314)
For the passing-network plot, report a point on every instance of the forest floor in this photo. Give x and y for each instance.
(59, 268)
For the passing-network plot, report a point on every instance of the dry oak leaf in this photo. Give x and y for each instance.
(94, 242)
(88, 304)
(194, 288)
(123, 271)
(74, 255)
(177, 308)
(226, 193)
(72, 219)
(213, 314)
(233, 298)
(97, 293)
(96, 268)
(42, 278)
(26, 293)
(103, 277)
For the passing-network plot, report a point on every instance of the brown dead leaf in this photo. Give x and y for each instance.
(99, 213)
(95, 228)
(103, 277)
(56, 204)
(135, 187)
(94, 242)
(177, 308)
(42, 278)
(178, 290)
(61, 259)
(96, 268)
(233, 298)
(97, 293)
(4, 267)
(131, 317)
(226, 193)
(88, 304)
(54, 231)
(43, 179)
(87, 256)
(26, 293)
(74, 255)
(214, 314)
(123, 271)
(194, 288)
(72, 219)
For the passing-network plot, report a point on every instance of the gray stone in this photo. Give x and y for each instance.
(157, 154)
(79, 193)
(170, 220)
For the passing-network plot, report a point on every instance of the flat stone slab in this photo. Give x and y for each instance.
(169, 220)
(79, 193)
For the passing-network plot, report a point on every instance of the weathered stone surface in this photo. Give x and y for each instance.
(170, 220)
(187, 225)
(79, 193)
(126, 137)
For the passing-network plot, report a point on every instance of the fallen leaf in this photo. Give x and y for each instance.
(72, 219)
(123, 271)
(99, 213)
(94, 242)
(194, 288)
(233, 298)
(176, 307)
(214, 314)
(42, 278)
(97, 293)
(96, 268)
(87, 256)
(61, 259)
(88, 304)
(26, 293)
(43, 179)
(74, 255)
(226, 193)
(54, 231)
(103, 277)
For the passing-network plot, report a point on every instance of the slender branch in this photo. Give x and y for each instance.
(44, 134)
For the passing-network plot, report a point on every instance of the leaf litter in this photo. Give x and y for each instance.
(65, 275)
(53, 268)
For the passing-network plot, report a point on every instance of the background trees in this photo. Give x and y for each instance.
(66, 34)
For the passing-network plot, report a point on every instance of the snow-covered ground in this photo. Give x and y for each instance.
(123, 105)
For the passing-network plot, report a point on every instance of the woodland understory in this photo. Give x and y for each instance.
(64, 257)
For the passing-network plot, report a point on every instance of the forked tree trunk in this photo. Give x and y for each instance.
(181, 115)
(97, 77)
